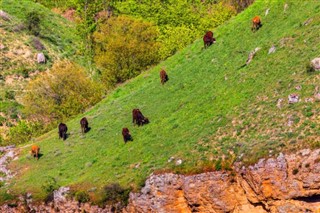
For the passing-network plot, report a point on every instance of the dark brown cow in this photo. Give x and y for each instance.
(138, 118)
(208, 39)
(163, 77)
(126, 135)
(256, 23)
(84, 125)
(35, 151)
(63, 131)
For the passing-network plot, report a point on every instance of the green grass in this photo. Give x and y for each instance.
(55, 31)
(17, 59)
(208, 114)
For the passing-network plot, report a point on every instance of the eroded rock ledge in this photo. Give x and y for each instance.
(288, 183)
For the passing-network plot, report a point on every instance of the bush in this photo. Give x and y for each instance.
(33, 22)
(174, 39)
(115, 194)
(22, 132)
(82, 197)
(61, 93)
(129, 48)
(49, 186)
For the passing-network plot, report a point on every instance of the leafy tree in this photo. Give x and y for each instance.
(124, 47)
(62, 92)
(180, 22)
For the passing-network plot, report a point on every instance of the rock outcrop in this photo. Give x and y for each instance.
(286, 183)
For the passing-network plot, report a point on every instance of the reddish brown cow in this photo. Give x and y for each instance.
(208, 39)
(84, 125)
(138, 118)
(63, 131)
(35, 150)
(256, 23)
(163, 77)
(126, 135)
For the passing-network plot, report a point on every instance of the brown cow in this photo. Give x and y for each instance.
(256, 23)
(63, 131)
(84, 125)
(163, 77)
(138, 118)
(126, 135)
(208, 39)
(35, 150)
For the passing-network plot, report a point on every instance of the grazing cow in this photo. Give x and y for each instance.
(35, 150)
(84, 125)
(256, 23)
(138, 118)
(163, 76)
(126, 135)
(63, 131)
(208, 39)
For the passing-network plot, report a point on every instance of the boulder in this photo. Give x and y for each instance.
(41, 59)
(315, 64)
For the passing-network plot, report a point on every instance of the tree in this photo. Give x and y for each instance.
(62, 92)
(124, 47)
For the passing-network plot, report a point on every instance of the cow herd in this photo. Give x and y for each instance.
(137, 117)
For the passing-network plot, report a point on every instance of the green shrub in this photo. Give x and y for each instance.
(64, 92)
(114, 193)
(129, 48)
(33, 22)
(82, 196)
(22, 132)
(48, 187)
(174, 39)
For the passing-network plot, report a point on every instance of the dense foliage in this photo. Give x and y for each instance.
(124, 47)
(180, 22)
(61, 93)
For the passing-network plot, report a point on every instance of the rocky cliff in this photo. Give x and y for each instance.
(287, 183)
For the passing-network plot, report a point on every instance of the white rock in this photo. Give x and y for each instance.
(178, 162)
(293, 98)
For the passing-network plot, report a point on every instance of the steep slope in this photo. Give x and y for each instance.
(211, 112)
(56, 38)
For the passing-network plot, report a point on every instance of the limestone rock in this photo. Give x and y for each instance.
(315, 64)
(286, 183)
(293, 98)
(41, 59)
(5, 16)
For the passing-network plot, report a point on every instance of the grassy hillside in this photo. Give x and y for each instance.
(57, 39)
(210, 113)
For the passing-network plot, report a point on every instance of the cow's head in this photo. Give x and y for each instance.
(145, 120)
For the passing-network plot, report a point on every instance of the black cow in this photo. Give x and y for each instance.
(138, 118)
(208, 39)
(163, 77)
(63, 131)
(84, 125)
(126, 135)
